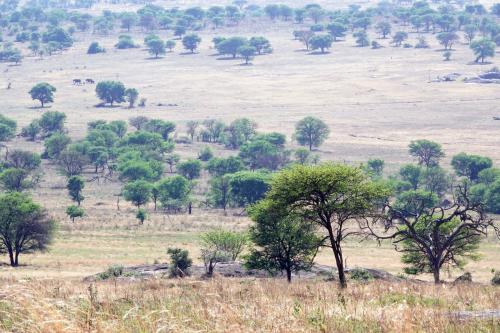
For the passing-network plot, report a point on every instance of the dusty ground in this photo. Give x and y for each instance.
(375, 102)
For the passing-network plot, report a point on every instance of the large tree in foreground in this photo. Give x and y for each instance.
(332, 196)
(432, 235)
(24, 226)
(311, 132)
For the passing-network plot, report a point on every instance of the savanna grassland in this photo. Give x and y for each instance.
(375, 102)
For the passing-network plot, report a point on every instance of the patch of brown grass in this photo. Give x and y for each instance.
(241, 305)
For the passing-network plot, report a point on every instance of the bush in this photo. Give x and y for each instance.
(361, 275)
(94, 48)
(496, 279)
(179, 262)
(125, 42)
(113, 271)
(205, 154)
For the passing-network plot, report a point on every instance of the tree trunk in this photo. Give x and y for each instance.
(289, 275)
(436, 274)
(16, 259)
(190, 208)
(11, 258)
(337, 252)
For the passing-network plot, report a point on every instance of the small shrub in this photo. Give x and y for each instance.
(361, 275)
(205, 154)
(179, 262)
(407, 45)
(112, 272)
(94, 48)
(447, 56)
(496, 279)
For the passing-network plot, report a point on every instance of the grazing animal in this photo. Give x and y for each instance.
(89, 81)
(77, 82)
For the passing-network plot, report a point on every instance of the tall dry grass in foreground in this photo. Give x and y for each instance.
(238, 305)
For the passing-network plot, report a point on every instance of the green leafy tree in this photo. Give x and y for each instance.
(221, 246)
(383, 28)
(52, 122)
(361, 38)
(156, 47)
(190, 169)
(375, 167)
(191, 42)
(138, 192)
(248, 187)
(174, 193)
(74, 211)
(179, 262)
(434, 235)
(322, 42)
(285, 242)
(131, 95)
(260, 44)
(399, 37)
(428, 153)
(247, 52)
(311, 132)
(470, 165)
(447, 39)
(170, 45)
(15, 179)
(222, 166)
(43, 92)
(220, 191)
(483, 48)
(7, 128)
(141, 215)
(336, 30)
(331, 196)
(75, 188)
(55, 145)
(231, 45)
(24, 226)
(31, 131)
(110, 92)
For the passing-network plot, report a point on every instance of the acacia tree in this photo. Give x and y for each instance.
(383, 28)
(247, 52)
(110, 92)
(447, 39)
(43, 92)
(311, 132)
(483, 48)
(221, 246)
(24, 226)
(285, 241)
(156, 47)
(433, 235)
(332, 197)
(191, 42)
(321, 42)
(427, 152)
(305, 37)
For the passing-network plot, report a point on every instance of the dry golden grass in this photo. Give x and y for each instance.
(241, 305)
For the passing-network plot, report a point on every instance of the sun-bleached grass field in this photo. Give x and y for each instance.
(243, 305)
